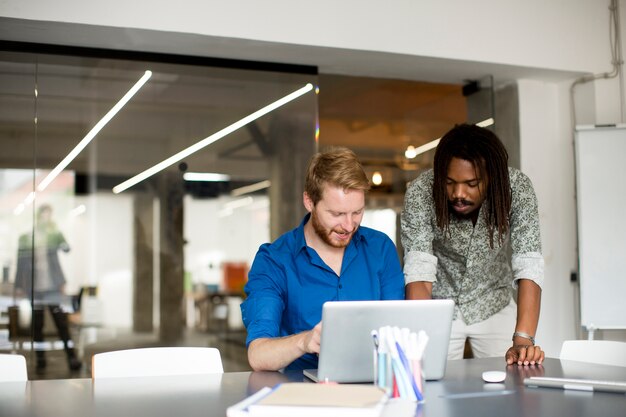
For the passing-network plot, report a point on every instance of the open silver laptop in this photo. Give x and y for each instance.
(346, 352)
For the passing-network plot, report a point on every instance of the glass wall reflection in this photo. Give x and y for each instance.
(107, 213)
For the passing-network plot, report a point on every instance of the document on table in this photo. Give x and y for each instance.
(308, 399)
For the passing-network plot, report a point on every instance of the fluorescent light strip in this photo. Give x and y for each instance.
(30, 198)
(427, 147)
(433, 144)
(250, 188)
(229, 207)
(78, 210)
(210, 139)
(93, 132)
(205, 176)
(486, 122)
(19, 209)
(242, 202)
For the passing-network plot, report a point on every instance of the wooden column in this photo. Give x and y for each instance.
(143, 285)
(171, 193)
(293, 143)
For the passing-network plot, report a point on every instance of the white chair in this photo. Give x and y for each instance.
(603, 352)
(13, 368)
(157, 361)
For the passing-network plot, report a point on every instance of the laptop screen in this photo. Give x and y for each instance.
(346, 352)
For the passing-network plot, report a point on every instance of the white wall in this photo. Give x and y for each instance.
(546, 155)
(102, 254)
(482, 30)
(214, 236)
(544, 45)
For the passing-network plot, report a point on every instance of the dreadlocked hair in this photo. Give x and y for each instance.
(486, 152)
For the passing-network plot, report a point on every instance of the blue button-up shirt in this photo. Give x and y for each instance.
(288, 283)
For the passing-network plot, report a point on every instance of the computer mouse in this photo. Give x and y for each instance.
(494, 376)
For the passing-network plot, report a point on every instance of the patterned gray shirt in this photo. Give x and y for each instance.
(461, 264)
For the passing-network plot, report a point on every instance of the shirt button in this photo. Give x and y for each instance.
(340, 286)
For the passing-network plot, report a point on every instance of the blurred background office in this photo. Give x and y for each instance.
(170, 151)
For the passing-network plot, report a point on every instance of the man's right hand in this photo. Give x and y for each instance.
(312, 339)
(418, 290)
(274, 353)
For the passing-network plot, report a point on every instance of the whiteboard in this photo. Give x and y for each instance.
(601, 206)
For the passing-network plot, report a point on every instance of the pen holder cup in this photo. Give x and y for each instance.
(383, 372)
(409, 383)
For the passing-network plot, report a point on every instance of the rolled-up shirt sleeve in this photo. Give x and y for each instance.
(528, 266)
(417, 231)
(263, 308)
(526, 261)
(419, 266)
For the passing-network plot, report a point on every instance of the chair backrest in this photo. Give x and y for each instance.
(13, 368)
(156, 362)
(604, 352)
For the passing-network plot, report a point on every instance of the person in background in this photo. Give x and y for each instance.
(470, 231)
(328, 257)
(46, 282)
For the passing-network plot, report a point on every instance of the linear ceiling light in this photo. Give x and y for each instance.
(210, 139)
(250, 188)
(93, 132)
(486, 122)
(425, 147)
(205, 176)
(433, 144)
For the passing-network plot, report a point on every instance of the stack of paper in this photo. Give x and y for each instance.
(306, 399)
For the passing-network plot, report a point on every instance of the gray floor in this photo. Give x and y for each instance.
(230, 344)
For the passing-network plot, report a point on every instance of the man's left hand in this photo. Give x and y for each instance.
(524, 355)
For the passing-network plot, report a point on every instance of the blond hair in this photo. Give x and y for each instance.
(338, 167)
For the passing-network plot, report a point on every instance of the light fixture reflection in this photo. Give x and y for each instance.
(250, 188)
(205, 176)
(486, 122)
(210, 139)
(78, 210)
(231, 206)
(93, 132)
(377, 178)
(410, 152)
(433, 144)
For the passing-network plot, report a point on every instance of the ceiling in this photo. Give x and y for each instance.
(183, 104)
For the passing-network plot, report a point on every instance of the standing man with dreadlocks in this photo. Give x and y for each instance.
(470, 231)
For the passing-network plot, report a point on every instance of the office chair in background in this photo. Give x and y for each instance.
(603, 352)
(13, 368)
(159, 361)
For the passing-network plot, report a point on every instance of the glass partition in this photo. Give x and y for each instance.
(133, 197)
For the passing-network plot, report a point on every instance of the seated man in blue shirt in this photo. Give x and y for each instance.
(327, 258)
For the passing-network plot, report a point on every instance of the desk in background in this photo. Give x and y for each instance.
(211, 395)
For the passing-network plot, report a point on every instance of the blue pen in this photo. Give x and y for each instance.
(407, 367)
(398, 369)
